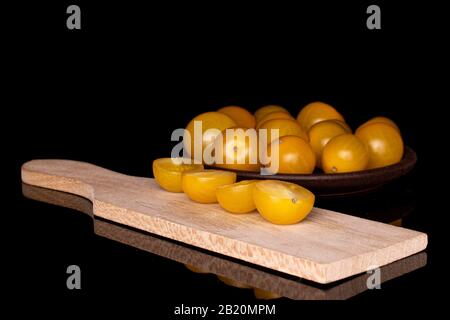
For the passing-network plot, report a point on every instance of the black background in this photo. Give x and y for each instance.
(112, 93)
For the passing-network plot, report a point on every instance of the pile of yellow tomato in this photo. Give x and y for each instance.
(318, 138)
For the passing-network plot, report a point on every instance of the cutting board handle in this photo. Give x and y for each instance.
(74, 177)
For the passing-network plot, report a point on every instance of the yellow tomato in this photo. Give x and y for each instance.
(238, 151)
(286, 127)
(168, 171)
(295, 155)
(201, 186)
(380, 120)
(237, 197)
(209, 120)
(261, 112)
(315, 112)
(321, 133)
(344, 153)
(233, 283)
(274, 115)
(282, 202)
(241, 116)
(344, 125)
(384, 142)
(265, 295)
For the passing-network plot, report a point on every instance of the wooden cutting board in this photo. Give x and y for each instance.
(242, 275)
(326, 247)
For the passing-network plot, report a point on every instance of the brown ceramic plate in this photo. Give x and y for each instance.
(344, 184)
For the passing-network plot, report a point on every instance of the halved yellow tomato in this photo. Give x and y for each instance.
(321, 133)
(261, 112)
(295, 155)
(201, 186)
(237, 197)
(237, 150)
(282, 202)
(344, 153)
(241, 116)
(208, 120)
(286, 127)
(315, 112)
(384, 142)
(168, 172)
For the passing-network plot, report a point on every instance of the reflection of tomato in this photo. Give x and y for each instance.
(321, 133)
(380, 120)
(239, 151)
(265, 295)
(168, 171)
(261, 112)
(345, 153)
(384, 142)
(195, 269)
(233, 283)
(295, 155)
(315, 112)
(237, 197)
(286, 127)
(397, 223)
(209, 120)
(201, 186)
(274, 115)
(241, 116)
(282, 202)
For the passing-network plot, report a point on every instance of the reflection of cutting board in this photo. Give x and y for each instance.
(326, 247)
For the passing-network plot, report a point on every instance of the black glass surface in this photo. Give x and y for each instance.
(113, 93)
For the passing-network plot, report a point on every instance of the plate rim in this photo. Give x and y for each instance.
(405, 165)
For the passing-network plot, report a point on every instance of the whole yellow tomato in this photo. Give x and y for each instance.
(274, 115)
(315, 112)
(380, 120)
(282, 202)
(208, 120)
(295, 155)
(344, 153)
(261, 112)
(168, 171)
(384, 142)
(238, 151)
(321, 133)
(286, 127)
(343, 124)
(201, 186)
(241, 116)
(237, 197)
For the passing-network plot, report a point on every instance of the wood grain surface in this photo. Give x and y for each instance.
(326, 247)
